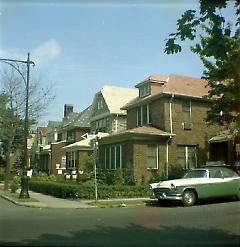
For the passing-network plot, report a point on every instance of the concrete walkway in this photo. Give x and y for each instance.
(53, 202)
(45, 201)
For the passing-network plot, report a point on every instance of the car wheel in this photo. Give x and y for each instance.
(189, 198)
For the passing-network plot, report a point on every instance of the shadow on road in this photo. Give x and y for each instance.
(163, 203)
(135, 235)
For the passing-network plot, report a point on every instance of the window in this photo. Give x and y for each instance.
(144, 90)
(187, 156)
(102, 125)
(152, 156)
(71, 160)
(100, 104)
(113, 157)
(187, 114)
(143, 115)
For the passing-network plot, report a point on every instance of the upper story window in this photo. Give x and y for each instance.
(100, 104)
(187, 114)
(143, 115)
(70, 135)
(144, 90)
(102, 125)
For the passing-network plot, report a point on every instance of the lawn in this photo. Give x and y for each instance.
(123, 203)
(15, 196)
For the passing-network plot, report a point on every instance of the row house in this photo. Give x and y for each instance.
(165, 127)
(106, 117)
(53, 158)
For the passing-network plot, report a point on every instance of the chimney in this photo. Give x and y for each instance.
(67, 109)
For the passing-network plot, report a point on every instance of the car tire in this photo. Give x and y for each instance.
(189, 198)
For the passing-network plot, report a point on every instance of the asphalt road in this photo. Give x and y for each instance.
(202, 225)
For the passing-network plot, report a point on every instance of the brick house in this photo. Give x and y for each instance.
(165, 128)
(72, 128)
(44, 153)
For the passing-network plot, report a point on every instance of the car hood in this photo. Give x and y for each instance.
(176, 182)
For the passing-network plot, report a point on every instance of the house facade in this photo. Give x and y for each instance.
(53, 158)
(165, 129)
(107, 115)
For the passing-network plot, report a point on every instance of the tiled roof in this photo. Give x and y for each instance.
(185, 85)
(174, 84)
(78, 119)
(116, 97)
(142, 130)
(148, 130)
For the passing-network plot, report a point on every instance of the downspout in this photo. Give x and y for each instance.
(170, 137)
(170, 114)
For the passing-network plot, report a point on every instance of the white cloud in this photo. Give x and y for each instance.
(41, 55)
(45, 52)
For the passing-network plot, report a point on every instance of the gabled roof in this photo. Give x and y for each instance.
(75, 119)
(116, 97)
(173, 85)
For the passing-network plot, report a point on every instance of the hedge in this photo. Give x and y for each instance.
(67, 190)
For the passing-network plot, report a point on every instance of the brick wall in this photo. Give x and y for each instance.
(56, 155)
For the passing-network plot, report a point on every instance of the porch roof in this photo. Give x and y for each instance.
(223, 136)
(142, 132)
(85, 144)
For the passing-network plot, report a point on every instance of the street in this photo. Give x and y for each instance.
(202, 225)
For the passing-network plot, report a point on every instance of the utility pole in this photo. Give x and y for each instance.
(14, 64)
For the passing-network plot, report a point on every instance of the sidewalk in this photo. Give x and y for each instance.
(45, 201)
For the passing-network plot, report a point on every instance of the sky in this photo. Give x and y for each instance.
(79, 46)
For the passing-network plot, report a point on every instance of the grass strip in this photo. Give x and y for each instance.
(15, 196)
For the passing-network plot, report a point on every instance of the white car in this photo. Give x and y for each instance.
(200, 183)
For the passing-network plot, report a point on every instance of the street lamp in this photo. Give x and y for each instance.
(15, 64)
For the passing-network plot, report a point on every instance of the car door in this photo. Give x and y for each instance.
(216, 183)
(231, 182)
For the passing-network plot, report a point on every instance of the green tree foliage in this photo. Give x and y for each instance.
(10, 132)
(12, 111)
(218, 46)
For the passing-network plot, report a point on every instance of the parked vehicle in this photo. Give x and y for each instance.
(199, 183)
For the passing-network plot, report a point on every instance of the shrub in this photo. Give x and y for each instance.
(87, 191)
(15, 184)
(175, 172)
(42, 176)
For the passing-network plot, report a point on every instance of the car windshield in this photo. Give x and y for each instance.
(196, 174)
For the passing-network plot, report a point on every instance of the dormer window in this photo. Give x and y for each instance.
(144, 90)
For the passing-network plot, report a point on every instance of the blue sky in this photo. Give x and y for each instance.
(79, 46)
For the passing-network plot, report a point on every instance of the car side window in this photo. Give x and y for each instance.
(215, 174)
(227, 173)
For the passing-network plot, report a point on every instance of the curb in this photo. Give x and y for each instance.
(41, 205)
(22, 203)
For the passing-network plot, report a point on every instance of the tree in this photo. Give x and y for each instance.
(219, 50)
(12, 112)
